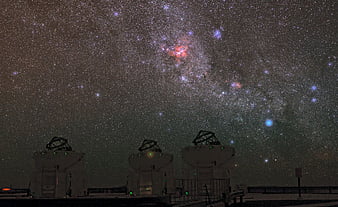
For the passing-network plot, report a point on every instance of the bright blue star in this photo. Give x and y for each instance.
(217, 34)
(184, 79)
(313, 88)
(314, 100)
(232, 142)
(97, 94)
(268, 122)
(166, 7)
(190, 33)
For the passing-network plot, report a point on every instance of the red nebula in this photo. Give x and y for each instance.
(180, 51)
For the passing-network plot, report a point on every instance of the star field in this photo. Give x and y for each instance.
(107, 74)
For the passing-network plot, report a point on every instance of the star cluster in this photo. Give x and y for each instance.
(107, 74)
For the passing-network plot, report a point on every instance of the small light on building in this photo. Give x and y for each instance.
(6, 189)
(150, 154)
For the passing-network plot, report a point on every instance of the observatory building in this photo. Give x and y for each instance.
(59, 171)
(208, 164)
(151, 171)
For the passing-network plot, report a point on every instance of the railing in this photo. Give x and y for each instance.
(191, 190)
(294, 190)
(237, 194)
(114, 190)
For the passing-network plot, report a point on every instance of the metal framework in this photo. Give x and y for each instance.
(188, 190)
(149, 145)
(58, 144)
(206, 138)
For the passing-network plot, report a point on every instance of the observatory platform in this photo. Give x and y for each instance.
(207, 167)
(59, 171)
(151, 171)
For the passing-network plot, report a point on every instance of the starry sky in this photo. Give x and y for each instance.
(107, 74)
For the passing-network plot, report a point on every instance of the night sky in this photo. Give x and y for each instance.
(107, 74)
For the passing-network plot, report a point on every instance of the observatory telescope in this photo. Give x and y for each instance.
(208, 164)
(151, 171)
(59, 171)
